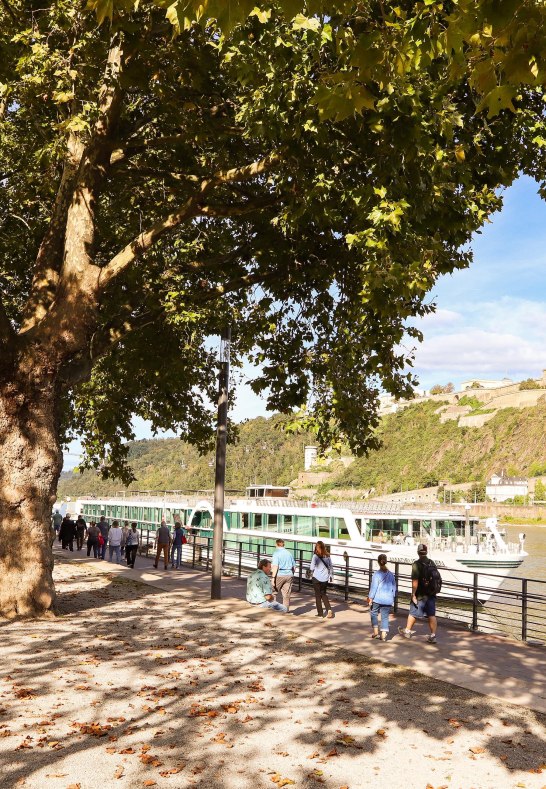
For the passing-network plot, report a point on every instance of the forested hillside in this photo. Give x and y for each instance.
(417, 450)
(263, 453)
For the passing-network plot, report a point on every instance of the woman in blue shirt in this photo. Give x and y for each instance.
(321, 572)
(381, 597)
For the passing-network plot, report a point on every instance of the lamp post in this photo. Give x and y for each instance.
(220, 472)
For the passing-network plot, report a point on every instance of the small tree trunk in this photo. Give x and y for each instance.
(30, 465)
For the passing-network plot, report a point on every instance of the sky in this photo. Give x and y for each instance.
(490, 319)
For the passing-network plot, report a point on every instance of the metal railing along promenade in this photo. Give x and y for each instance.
(516, 608)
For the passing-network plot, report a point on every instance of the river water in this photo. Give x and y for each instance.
(534, 565)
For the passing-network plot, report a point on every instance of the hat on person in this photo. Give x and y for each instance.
(422, 548)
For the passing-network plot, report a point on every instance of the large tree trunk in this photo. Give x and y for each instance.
(30, 464)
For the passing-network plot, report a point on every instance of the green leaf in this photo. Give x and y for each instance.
(500, 98)
(262, 16)
(302, 22)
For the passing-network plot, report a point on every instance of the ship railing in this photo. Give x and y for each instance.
(474, 600)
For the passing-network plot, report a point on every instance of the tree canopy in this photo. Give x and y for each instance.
(304, 173)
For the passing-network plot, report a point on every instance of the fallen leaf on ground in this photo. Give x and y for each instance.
(477, 749)
(24, 693)
(277, 779)
(381, 732)
(346, 739)
(119, 772)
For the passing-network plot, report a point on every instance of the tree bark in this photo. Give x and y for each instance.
(30, 465)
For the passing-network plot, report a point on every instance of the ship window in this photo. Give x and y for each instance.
(272, 521)
(304, 525)
(256, 520)
(341, 530)
(287, 524)
(447, 528)
(323, 527)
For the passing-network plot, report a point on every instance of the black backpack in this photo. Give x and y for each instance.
(431, 580)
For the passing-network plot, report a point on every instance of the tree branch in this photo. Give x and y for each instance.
(192, 207)
(49, 258)
(80, 368)
(9, 10)
(238, 209)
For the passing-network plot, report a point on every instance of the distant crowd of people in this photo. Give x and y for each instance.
(121, 541)
(276, 575)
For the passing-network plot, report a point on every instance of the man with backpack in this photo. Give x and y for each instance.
(426, 582)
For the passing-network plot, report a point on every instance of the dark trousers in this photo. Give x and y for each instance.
(93, 545)
(321, 598)
(130, 554)
(79, 541)
(68, 542)
(102, 550)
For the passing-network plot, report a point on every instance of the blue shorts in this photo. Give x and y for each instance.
(426, 606)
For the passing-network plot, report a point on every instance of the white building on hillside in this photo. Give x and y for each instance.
(310, 457)
(484, 383)
(500, 487)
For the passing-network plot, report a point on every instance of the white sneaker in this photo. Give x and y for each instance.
(405, 633)
(431, 639)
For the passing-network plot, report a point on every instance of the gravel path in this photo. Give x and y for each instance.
(132, 687)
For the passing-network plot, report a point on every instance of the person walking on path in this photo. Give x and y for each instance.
(259, 590)
(283, 568)
(131, 545)
(163, 538)
(56, 520)
(124, 532)
(104, 528)
(179, 539)
(381, 597)
(423, 597)
(321, 572)
(81, 528)
(114, 542)
(67, 532)
(93, 539)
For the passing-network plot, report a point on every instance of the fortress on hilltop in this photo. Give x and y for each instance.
(477, 401)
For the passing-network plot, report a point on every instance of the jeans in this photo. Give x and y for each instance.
(178, 550)
(93, 544)
(117, 550)
(383, 611)
(102, 550)
(274, 606)
(426, 606)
